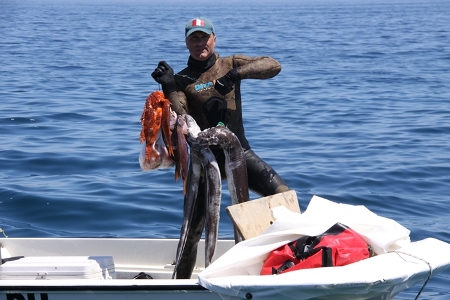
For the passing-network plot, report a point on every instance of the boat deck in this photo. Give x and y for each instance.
(131, 256)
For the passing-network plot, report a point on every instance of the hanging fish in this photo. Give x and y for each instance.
(163, 137)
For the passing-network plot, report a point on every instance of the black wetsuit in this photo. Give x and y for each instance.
(195, 95)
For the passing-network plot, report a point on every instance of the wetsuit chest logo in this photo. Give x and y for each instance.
(203, 86)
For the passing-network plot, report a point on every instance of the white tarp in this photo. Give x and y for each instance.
(382, 234)
(236, 273)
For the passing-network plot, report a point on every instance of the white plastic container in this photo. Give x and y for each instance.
(59, 267)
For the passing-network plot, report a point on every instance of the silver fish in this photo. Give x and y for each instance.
(213, 192)
(193, 179)
(203, 163)
(213, 187)
(235, 166)
(192, 183)
(181, 152)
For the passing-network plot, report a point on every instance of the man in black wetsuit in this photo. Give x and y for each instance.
(208, 89)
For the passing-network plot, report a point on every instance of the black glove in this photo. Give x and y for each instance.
(224, 84)
(163, 74)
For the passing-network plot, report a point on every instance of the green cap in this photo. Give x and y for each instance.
(199, 24)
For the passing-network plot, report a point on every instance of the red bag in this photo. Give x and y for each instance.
(338, 246)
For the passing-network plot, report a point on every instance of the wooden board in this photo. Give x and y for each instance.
(253, 217)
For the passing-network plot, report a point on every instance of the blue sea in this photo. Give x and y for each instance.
(360, 113)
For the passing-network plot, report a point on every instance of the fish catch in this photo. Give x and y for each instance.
(168, 138)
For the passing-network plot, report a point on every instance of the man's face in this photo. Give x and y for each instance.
(200, 45)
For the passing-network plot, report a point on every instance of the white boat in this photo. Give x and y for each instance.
(380, 277)
(105, 268)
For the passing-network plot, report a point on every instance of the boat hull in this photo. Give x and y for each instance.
(117, 289)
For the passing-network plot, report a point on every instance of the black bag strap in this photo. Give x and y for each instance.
(303, 245)
(286, 265)
(307, 243)
(306, 247)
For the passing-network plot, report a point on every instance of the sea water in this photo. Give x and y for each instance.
(359, 113)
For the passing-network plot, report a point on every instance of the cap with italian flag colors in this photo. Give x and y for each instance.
(199, 24)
